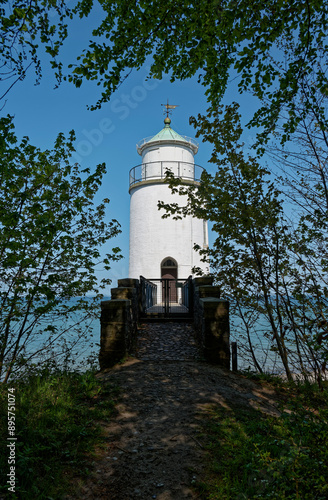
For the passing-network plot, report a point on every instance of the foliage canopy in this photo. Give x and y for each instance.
(24, 27)
(272, 48)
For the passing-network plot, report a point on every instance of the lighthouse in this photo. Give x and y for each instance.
(164, 248)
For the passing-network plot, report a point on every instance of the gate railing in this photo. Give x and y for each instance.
(165, 297)
(185, 293)
(148, 293)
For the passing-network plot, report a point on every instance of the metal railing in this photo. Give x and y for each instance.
(158, 170)
(185, 293)
(165, 297)
(189, 140)
(149, 293)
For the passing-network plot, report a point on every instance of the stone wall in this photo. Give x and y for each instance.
(211, 321)
(119, 320)
(120, 316)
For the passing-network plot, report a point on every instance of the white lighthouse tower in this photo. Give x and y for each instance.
(163, 248)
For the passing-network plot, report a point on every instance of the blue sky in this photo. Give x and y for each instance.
(110, 134)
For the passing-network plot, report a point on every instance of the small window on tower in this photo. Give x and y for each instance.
(169, 263)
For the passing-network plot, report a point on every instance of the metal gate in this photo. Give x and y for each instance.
(166, 298)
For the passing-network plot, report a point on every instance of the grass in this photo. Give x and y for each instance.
(255, 456)
(56, 430)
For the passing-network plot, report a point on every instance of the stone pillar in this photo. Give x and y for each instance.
(129, 293)
(132, 283)
(123, 293)
(203, 280)
(215, 331)
(208, 291)
(115, 325)
(128, 282)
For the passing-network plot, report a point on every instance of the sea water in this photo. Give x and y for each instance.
(83, 342)
(74, 344)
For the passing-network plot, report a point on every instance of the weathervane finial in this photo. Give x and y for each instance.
(169, 108)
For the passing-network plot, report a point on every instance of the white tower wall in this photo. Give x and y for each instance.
(153, 239)
(167, 152)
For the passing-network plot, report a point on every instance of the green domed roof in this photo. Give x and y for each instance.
(167, 134)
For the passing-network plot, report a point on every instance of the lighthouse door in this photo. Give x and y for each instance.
(169, 275)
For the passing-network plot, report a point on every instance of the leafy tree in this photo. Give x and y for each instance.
(24, 26)
(50, 234)
(275, 50)
(303, 167)
(256, 254)
(272, 48)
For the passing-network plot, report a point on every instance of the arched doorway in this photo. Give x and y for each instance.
(169, 274)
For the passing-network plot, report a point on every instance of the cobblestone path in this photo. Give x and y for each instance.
(153, 446)
(167, 341)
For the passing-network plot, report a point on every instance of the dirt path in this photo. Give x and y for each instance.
(153, 450)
